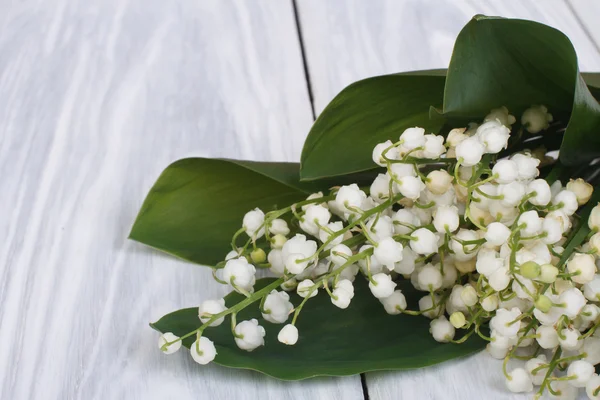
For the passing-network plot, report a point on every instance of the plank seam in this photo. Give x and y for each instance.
(304, 60)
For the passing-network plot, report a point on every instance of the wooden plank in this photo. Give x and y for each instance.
(361, 39)
(587, 12)
(96, 98)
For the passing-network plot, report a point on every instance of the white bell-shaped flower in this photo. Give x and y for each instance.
(412, 138)
(566, 201)
(388, 252)
(277, 307)
(502, 115)
(497, 233)
(506, 171)
(288, 335)
(430, 277)
(541, 192)
(240, 274)
(519, 381)
(249, 335)
(433, 147)
(470, 151)
(547, 337)
(573, 301)
(582, 267)
(505, 322)
(530, 223)
(391, 154)
(342, 294)
(350, 197)
(442, 330)
(494, 136)
(591, 388)
(512, 193)
(382, 285)
(534, 364)
(580, 372)
(583, 190)
(279, 227)
(410, 187)
(208, 308)
(395, 303)
(424, 241)
(253, 223)
(405, 221)
(591, 290)
(169, 337)
(445, 219)
(203, 350)
(536, 118)
(439, 181)
(527, 166)
(325, 235)
(569, 339)
(594, 218)
(314, 217)
(305, 288)
(380, 188)
(295, 252)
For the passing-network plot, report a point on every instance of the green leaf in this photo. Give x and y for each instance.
(197, 204)
(518, 63)
(366, 113)
(332, 342)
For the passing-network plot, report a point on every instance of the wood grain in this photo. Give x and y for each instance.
(96, 98)
(362, 39)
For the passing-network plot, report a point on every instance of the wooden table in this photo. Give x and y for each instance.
(97, 97)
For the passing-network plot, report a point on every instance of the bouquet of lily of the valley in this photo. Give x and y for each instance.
(433, 214)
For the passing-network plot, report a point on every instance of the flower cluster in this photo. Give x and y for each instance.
(477, 231)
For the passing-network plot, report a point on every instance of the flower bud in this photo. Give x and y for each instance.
(530, 270)
(458, 320)
(490, 303)
(548, 273)
(392, 153)
(277, 241)
(439, 181)
(595, 242)
(536, 118)
(543, 303)
(279, 227)
(288, 335)
(253, 223)
(166, 338)
(469, 296)
(540, 190)
(583, 190)
(501, 115)
(455, 136)
(594, 218)
(591, 388)
(258, 256)
(494, 136)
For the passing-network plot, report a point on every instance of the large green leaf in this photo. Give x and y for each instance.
(197, 204)
(518, 63)
(364, 114)
(332, 341)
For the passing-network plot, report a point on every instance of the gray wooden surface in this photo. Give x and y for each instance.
(97, 97)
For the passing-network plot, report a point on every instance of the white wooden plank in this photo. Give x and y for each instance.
(588, 11)
(351, 40)
(345, 43)
(96, 98)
